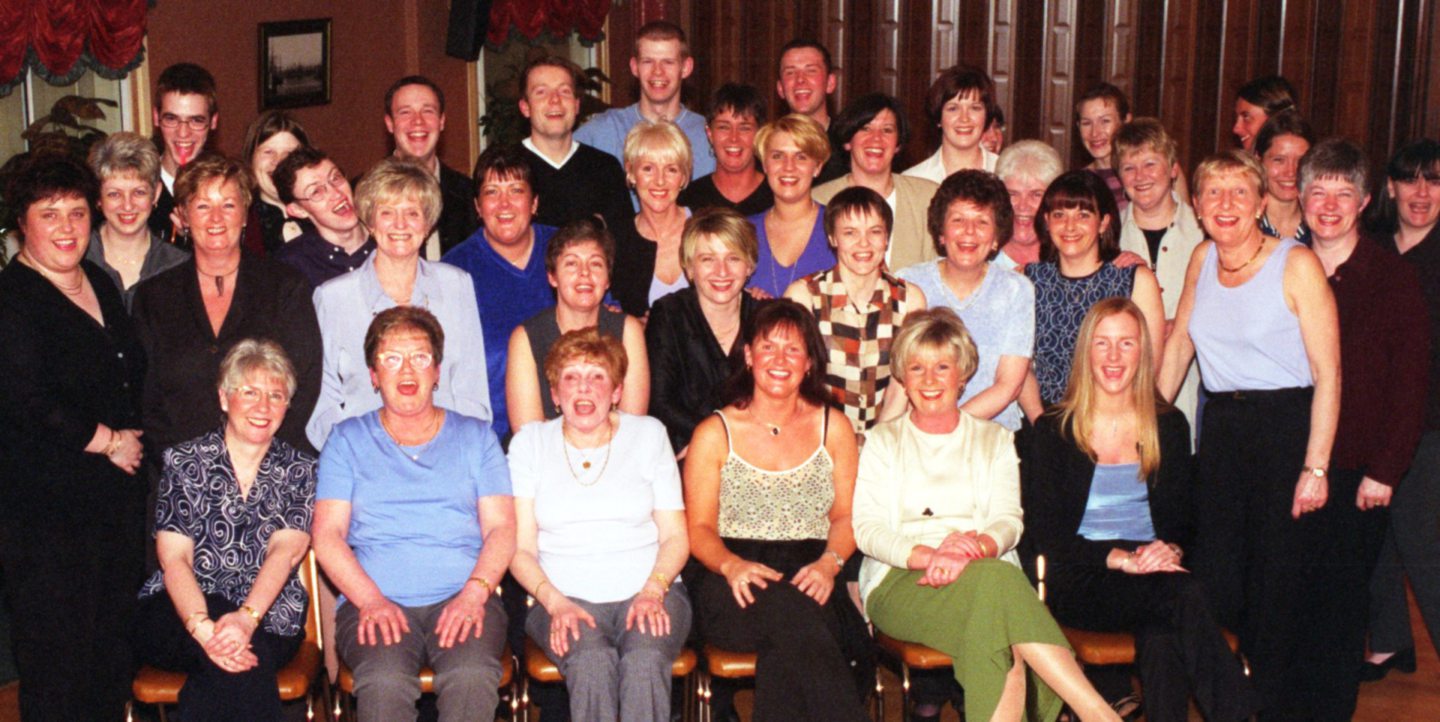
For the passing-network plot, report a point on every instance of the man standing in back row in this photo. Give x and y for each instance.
(184, 115)
(415, 118)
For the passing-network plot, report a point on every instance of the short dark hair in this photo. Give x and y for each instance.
(1271, 93)
(1286, 122)
(857, 201)
(739, 99)
(186, 79)
(975, 186)
(1106, 91)
(801, 43)
(504, 160)
(549, 61)
(48, 175)
(662, 30)
(575, 232)
(1079, 189)
(859, 113)
(996, 116)
(1336, 158)
(1419, 158)
(290, 166)
(959, 80)
(404, 318)
(414, 80)
(267, 125)
(739, 388)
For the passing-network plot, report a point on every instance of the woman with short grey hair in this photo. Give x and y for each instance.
(128, 167)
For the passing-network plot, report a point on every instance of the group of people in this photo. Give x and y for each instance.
(674, 379)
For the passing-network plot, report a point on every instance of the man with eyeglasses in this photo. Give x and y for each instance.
(185, 112)
(312, 187)
(415, 118)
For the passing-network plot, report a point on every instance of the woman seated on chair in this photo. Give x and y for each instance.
(600, 529)
(937, 513)
(232, 521)
(1107, 488)
(768, 485)
(415, 525)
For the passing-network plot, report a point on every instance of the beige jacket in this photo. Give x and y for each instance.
(910, 241)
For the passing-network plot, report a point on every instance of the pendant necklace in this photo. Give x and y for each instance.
(585, 463)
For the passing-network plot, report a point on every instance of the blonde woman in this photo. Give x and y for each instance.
(658, 162)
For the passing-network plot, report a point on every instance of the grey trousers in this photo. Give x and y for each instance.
(614, 673)
(1411, 548)
(387, 678)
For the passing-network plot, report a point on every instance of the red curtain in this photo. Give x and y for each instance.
(60, 39)
(557, 17)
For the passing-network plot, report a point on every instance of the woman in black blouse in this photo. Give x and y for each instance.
(1106, 485)
(692, 333)
(190, 316)
(71, 510)
(736, 113)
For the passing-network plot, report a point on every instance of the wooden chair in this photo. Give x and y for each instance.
(539, 668)
(906, 656)
(295, 680)
(345, 687)
(725, 665)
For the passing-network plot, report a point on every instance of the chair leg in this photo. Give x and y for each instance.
(904, 690)
(163, 717)
(702, 696)
(878, 705)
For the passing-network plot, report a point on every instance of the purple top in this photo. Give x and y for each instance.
(773, 278)
(320, 260)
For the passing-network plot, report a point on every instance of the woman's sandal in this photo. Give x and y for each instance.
(1129, 707)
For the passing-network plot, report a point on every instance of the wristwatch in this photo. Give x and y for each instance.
(1316, 471)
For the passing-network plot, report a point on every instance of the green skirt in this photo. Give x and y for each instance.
(974, 619)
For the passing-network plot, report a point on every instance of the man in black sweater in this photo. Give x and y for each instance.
(415, 118)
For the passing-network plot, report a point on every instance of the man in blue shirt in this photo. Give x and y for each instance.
(506, 260)
(661, 63)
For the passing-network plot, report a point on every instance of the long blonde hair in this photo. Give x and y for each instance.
(1076, 410)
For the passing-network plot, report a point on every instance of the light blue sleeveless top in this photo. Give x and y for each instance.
(1246, 338)
(1119, 505)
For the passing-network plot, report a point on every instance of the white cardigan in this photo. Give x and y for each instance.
(916, 488)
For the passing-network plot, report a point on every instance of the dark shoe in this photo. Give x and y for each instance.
(1403, 661)
(1128, 707)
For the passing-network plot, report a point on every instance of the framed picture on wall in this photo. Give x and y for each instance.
(294, 63)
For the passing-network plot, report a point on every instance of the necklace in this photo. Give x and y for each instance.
(426, 437)
(1242, 266)
(585, 463)
(775, 429)
(72, 290)
(219, 277)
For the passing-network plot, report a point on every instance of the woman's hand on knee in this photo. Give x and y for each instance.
(742, 573)
(647, 613)
(816, 579)
(462, 617)
(232, 634)
(382, 621)
(241, 661)
(945, 566)
(565, 621)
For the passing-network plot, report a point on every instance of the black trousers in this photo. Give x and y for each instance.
(804, 650)
(1179, 649)
(1249, 553)
(71, 590)
(212, 694)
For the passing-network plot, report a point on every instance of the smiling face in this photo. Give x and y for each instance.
(506, 206)
(323, 195)
(584, 393)
(1099, 121)
(1332, 208)
(732, 136)
(215, 215)
(1229, 205)
(657, 182)
(267, 156)
(660, 68)
(1418, 201)
(398, 225)
(126, 201)
(550, 102)
(962, 121)
(190, 115)
(872, 148)
(255, 409)
(1249, 119)
(779, 361)
(415, 121)
(1282, 166)
(56, 232)
(969, 235)
(717, 271)
(859, 242)
(932, 382)
(1148, 177)
(1115, 353)
(789, 170)
(1026, 193)
(581, 276)
(804, 82)
(405, 389)
(1076, 233)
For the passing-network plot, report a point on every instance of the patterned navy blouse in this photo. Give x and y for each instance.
(1061, 303)
(199, 497)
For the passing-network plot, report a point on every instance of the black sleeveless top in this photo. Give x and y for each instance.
(543, 331)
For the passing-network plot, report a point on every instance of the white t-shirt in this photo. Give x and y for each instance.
(597, 535)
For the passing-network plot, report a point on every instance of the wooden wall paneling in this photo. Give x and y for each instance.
(1237, 67)
(834, 32)
(1147, 94)
(973, 32)
(1425, 118)
(1028, 118)
(1181, 61)
(887, 48)
(1000, 59)
(1058, 81)
(1121, 21)
(944, 36)
(1350, 113)
(1385, 90)
(925, 29)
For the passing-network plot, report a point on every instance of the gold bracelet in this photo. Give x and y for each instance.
(664, 581)
(980, 541)
(839, 560)
(191, 624)
(114, 444)
(489, 588)
(254, 615)
(540, 586)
